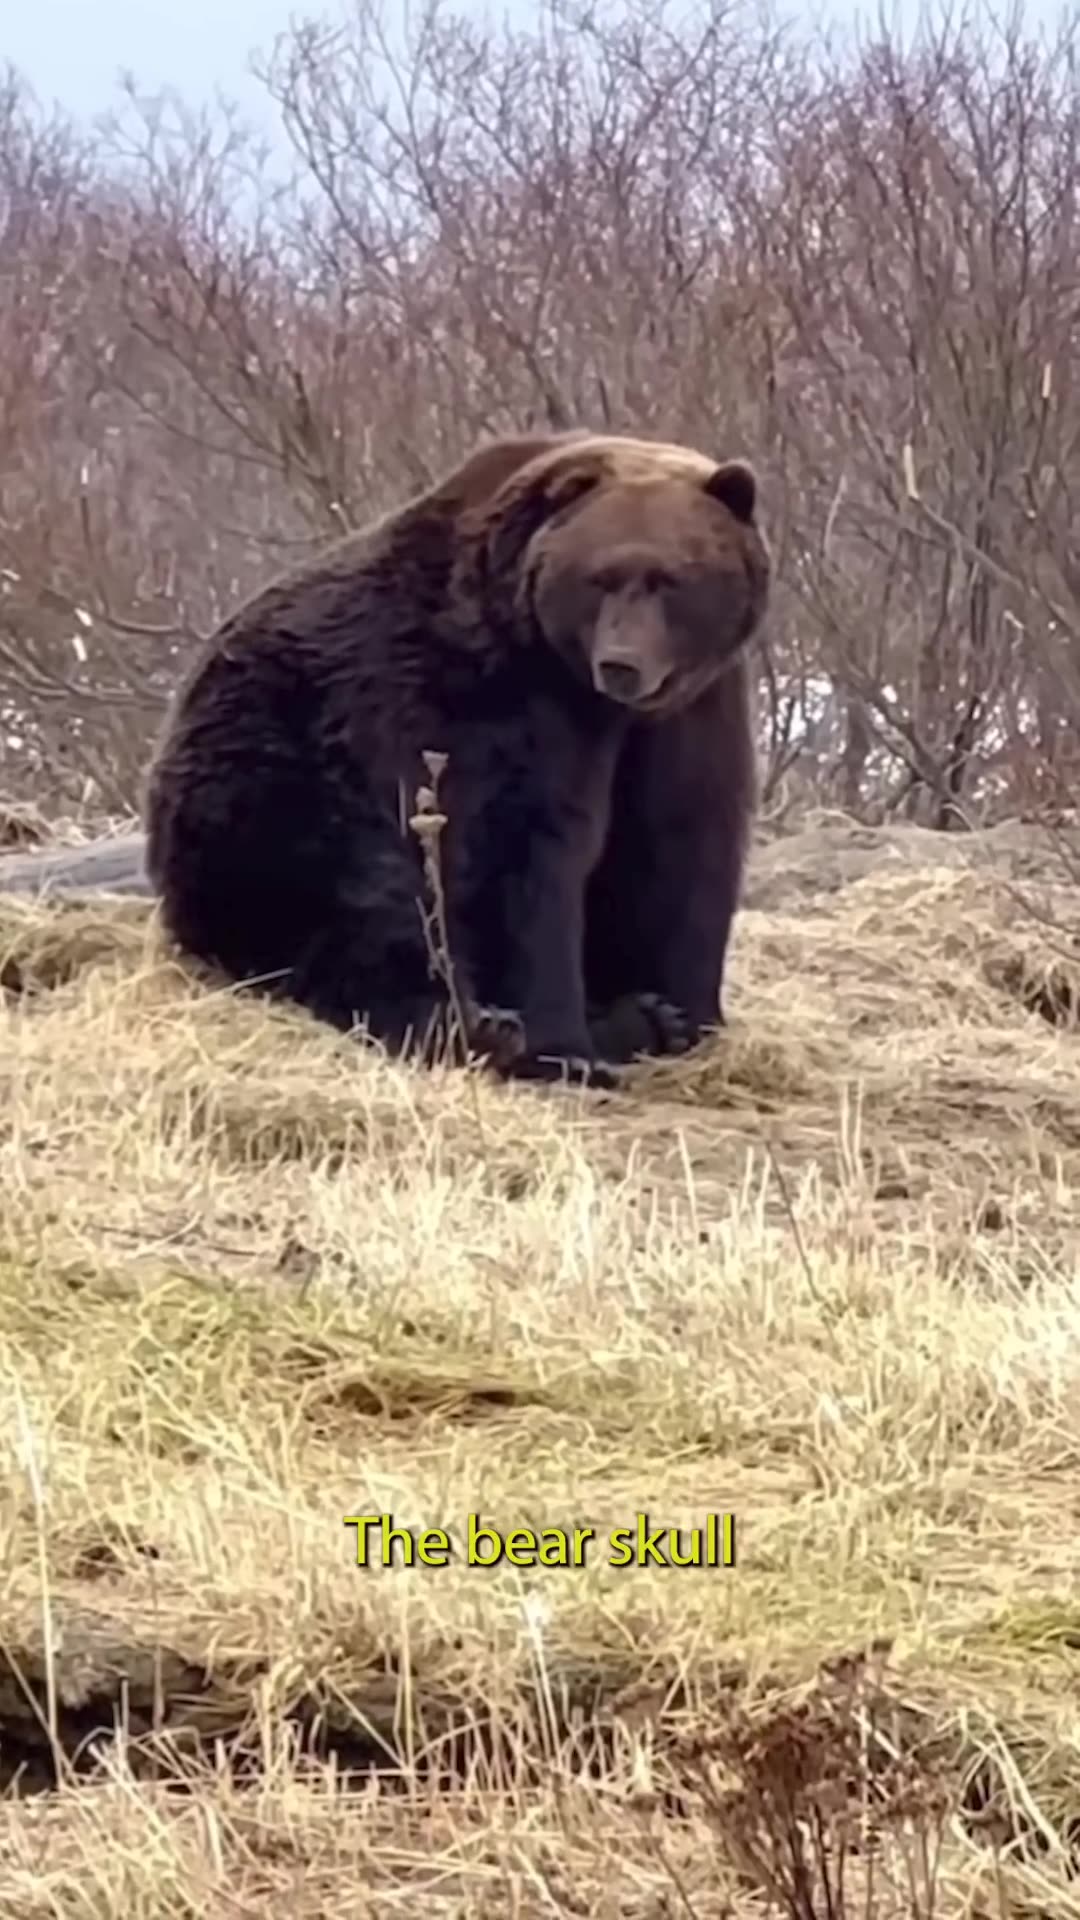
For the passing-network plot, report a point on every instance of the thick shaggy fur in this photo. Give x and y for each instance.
(566, 618)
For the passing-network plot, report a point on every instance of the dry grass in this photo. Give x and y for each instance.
(253, 1280)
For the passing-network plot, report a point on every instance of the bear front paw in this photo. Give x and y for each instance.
(497, 1034)
(642, 1023)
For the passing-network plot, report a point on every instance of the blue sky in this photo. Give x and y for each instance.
(72, 51)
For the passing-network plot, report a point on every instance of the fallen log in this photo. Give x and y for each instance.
(116, 865)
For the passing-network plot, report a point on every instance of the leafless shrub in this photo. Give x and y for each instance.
(827, 1805)
(854, 262)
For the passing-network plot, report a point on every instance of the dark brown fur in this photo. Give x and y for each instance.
(566, 618)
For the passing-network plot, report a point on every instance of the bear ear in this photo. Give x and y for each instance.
(734, 484)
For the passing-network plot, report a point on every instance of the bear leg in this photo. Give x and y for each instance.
(548, 980)
(532, 843)
(663, 895)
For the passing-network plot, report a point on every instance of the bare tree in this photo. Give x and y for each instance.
(854, 261)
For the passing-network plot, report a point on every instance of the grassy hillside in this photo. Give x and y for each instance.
(822, 1277)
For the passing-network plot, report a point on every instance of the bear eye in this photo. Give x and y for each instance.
(655, 580)
(618, 579)
(607, 580)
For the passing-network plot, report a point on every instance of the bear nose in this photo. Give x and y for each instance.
(620, 678)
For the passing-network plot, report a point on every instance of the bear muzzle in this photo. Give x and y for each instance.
(627, 680)
(631, 656)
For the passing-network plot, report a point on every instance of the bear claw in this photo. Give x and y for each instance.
(673, 1032)
(498, 1035)
(573, 1068)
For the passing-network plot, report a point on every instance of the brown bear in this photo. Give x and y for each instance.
(566, 618)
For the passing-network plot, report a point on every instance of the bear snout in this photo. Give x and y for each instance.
(631, 655)
(619, 679)
(628, 680)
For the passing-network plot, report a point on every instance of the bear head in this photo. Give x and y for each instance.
(640, 563)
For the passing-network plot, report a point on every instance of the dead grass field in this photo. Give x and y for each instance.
(823, 1277)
